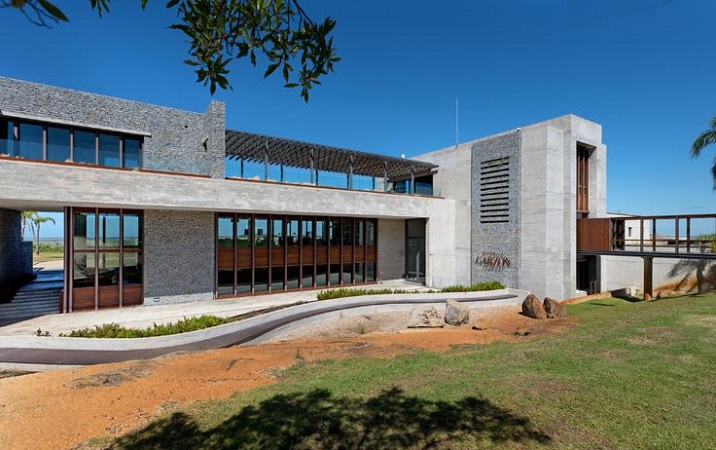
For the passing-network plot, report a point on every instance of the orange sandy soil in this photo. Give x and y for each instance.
(62, 408)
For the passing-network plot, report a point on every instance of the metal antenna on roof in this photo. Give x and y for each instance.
(456, 122)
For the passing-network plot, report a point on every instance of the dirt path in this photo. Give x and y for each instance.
(59, 409)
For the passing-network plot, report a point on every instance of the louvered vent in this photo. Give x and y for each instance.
(494, 191)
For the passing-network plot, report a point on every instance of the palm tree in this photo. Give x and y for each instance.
(705, 139)
(27, 220)
(38, 220)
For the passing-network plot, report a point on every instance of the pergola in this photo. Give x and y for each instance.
(270, 150)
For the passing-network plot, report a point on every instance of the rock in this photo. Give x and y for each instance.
(456, 313)
(532, 307)
(425, 317)
(522, 332)
(553, 308)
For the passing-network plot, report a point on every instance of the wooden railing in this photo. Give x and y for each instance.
(639, 236)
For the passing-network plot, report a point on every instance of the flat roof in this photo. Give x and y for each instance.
(287, 152)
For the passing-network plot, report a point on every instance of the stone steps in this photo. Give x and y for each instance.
(29, 303)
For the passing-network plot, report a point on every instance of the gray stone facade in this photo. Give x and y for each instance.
(174, 140)
(11, 260)
(178, 256)
(496, 246)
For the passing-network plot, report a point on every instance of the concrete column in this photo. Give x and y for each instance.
(648, 276)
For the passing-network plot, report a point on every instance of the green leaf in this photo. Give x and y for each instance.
(271, 69)
(53, 10)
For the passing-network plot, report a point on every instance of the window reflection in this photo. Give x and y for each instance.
(58, 144)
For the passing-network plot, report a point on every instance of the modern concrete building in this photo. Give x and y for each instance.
(163, 205)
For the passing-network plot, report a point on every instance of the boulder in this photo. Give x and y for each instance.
(456, 313)
(553, 308)
(425, 317)
(532, 307)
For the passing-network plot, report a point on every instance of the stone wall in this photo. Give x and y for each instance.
(496, 246)
(178, 256)
(12, 262)
(173, 139)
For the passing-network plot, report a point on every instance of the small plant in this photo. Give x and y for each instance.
(343, 292)
(113, 330)
(298, 356)
(42, 333)
(485, 286)
(361, 328)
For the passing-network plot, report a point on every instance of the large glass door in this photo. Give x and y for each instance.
(415, 250)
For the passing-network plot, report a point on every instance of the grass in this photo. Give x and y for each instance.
(629, 376)
(48, 252)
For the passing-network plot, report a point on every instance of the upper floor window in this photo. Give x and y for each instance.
(45, 142)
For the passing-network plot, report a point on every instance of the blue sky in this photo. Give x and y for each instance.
(644, 69)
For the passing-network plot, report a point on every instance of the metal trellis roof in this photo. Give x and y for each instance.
(253, 147)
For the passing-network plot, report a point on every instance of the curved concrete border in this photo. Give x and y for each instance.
(79, 351)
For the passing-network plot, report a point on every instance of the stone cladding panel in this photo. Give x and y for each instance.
(494, 245)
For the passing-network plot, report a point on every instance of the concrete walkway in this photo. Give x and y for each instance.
(20, 346)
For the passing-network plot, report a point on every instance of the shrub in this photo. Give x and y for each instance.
(485, 286)
(113, 330)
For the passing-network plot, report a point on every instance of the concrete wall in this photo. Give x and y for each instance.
(391, 249)
(548, 202)
(172, 138)
(497, 240)
(453, 181)
(627, 273)
(178, 256)
(10, 245)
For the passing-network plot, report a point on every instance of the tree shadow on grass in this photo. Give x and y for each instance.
(319, 420)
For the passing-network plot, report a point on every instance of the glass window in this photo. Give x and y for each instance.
(7, 135)
(31, 141)
(226, 232)
(132, 237)
(84, 231)
(292, 232)
(321, 275)
(132, 268)
(84, 149)
(359, 227)
(277, 274)
(293, 274)
(335, 232)
(261, 232)
(347, 274)
(226, 255)
(108, 268)
(108, 150)
(335, 276)
(321, 232)
(108, 230)
(307, 280)
(347, 231)
(243, 281)
(84, 269)
(277, 233)
(243, 232)
(58, 144)
(261, 280)
(370, 232)
(307, 233)
(132, 153)
(370, 271)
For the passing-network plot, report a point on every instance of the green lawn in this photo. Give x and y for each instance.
(630, 376)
